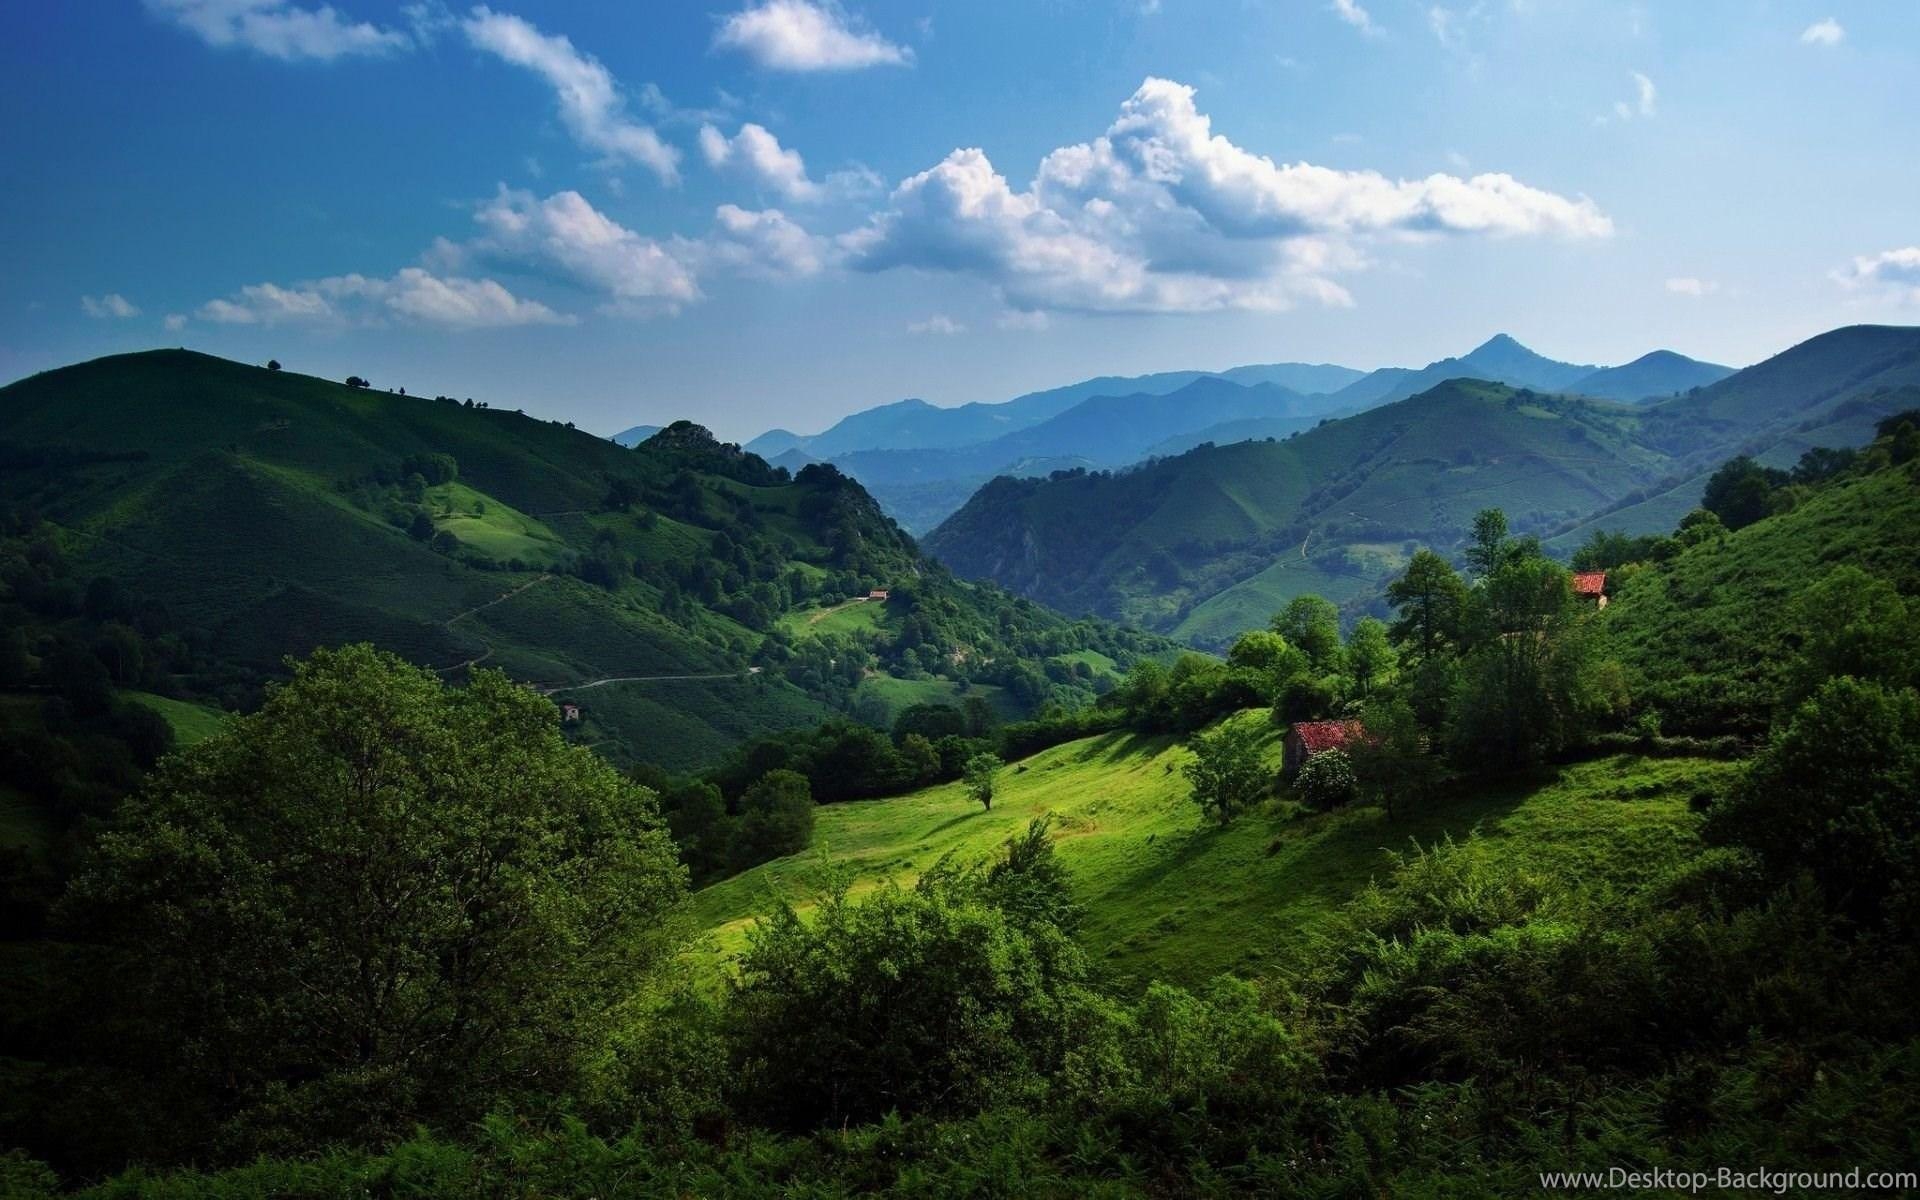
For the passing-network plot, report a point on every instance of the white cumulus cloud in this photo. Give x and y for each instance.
(567, 238)
(591, 105)
(413, 294)
(1827, 32)
(765, 244)
(1160, 214)
(112, 306)
(757, 156)
(799, 35)
(1893, 274)
(280, 29)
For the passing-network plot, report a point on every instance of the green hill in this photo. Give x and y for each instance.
(1134, 845)
(267, 513)
(1199, 543)
(1710, 636)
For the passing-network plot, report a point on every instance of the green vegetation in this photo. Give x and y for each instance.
(1205, 544)
(191, 723)
(277, 512)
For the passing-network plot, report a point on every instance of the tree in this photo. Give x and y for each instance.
(1431, 598)
(1326, 781)
(1853, 623)
(979, 776)
(1313, 624)
(1390, 763)
(1741, 492)
(776, 818)
(1370, 656)
(354, 381)
(376, 902)
(1228, 773)
(1833, 795)
(1487, 545)
(273, 364)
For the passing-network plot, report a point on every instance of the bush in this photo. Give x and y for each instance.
(1326, 781)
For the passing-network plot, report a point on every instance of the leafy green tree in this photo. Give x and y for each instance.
(377, 901)
(1391, 765)
(776, 819)
(1269, 657)
(979, 778)
(1853, 623)
(1313, 624)
(1833, 795)
(1699, 526)
(1487, 545)
(1431, 599)
(1741, 492)
(1228, 773)
(1326, 781)
(934, 1000)
(1371, 660)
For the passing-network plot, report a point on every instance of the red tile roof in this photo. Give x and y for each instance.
(1589, 583)
(1326, 735)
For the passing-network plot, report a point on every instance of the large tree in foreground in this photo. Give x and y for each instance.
(377, 901)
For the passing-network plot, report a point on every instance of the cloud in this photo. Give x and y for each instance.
(1162, 215)
(591, 105)
(1828, 32)
(1351, 12)
(280, 29)
(1892, 274)
(938, 323)
(112, 306)
(757, 156)
(1645, 101)
(799, 35)
(413, 294)
(566, 238)
(1686, 285)
(175, 322)
(765, 244)
(1444, 25)
(1014, 318)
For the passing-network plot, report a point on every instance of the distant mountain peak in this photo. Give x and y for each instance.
(1499, 342)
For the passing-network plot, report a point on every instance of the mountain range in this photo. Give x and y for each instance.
(1205, 544)
(922, 462)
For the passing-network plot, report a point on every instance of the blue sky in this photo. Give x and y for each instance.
(778, 212)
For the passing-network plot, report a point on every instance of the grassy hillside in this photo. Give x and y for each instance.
(669, 588)
(1161, 543)
(1710, 635)
(1168, 895)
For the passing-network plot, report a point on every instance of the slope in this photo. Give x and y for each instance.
(1153, 544)
(1135, 847)
(269, 513)
(1661, 373)
(1499, 358)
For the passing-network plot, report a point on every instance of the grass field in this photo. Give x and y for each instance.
(1171, 896)
(1251, 603)
(900, 694)
(191, 722)
(494, 528)
(848, 617)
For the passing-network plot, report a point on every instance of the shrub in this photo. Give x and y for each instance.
(1326, 781)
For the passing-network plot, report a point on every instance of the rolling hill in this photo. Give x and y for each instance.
(1661, 373)
(1210, 542)
(267, 513)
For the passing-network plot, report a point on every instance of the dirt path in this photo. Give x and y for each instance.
(823, 614)
(594, 683)
(500, 599)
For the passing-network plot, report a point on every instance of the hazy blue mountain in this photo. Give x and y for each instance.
(773, 442)
(1500, 359)
(1309, 379)
(634, 436)
(1651, 376)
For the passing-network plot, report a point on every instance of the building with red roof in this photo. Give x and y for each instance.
(1308, 738)
(1591, 585)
